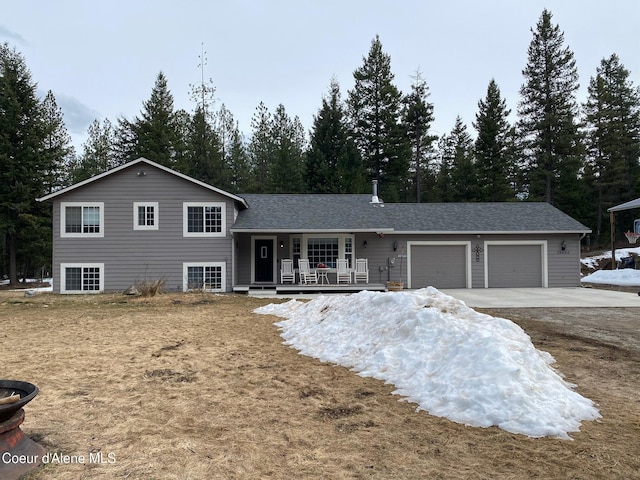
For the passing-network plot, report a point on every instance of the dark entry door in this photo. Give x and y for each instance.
(263, 261)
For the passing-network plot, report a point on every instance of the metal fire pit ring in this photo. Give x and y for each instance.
(27, 392)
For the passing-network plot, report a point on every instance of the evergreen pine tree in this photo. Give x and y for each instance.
(288, 142)
(58, 150)
(612, 115)
(25, 164)
(417, 118)
(224, 126)
(464, 185)
(203, 152)
(97, 156)
(332, 161)
(202, 156)
(375, 111)
(260, 150)
(155, 134)
(547, 118)
(443, 190)
(493, 162)
(239, 173)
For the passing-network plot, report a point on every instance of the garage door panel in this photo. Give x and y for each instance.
(514, 266)
(440, 266)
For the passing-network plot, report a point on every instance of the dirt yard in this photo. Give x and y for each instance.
(197, 386)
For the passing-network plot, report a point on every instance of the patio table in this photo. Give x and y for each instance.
(323, 275)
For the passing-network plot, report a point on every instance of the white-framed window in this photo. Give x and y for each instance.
(204, 219)
(145, 215)
(208, 276)
(81, 277)
(325, 249)
(82, 219)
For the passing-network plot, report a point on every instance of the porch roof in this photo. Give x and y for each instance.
(310, 212)
(356, 213)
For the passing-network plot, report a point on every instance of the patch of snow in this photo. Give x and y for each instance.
(32, 280)
(447, 358)
(623, 277)
(592, 262)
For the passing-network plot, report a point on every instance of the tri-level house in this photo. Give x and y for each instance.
(143, 221)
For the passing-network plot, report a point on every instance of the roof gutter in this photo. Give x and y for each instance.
(311, 230)
(489, 232)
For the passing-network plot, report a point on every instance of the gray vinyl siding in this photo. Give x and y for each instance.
(129, 255)
(243, 259)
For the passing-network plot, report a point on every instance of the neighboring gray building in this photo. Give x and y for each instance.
(142, 220)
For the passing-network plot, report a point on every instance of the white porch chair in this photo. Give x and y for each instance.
(306, 275)
(286, 271)
(362, 270)
(343, 273)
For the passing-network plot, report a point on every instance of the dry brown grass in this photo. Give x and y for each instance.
(195, 386)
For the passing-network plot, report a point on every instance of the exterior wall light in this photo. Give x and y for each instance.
(563, 245)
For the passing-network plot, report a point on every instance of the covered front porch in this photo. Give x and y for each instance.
(261, 258)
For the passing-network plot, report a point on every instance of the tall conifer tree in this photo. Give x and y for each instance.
(548, 118)
(57, 144)
(25, 161)
(612, 115)
(97, 155)
(202, 158)
(237, 161)
(464, 184)
(260, 150)
(333, 163)
(417, 118)
(154, 135)
(493, 162)
(375, 110)
(288, 141)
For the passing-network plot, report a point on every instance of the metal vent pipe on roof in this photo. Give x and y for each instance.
(374, 197)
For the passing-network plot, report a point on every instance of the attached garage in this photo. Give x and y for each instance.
(515, 264)
(439, 264)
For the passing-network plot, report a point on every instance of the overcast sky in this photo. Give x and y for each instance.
(101, 59)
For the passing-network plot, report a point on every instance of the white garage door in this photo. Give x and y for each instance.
(514, 266)
(440, 266)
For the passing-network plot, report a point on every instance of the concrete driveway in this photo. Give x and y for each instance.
(543, 297)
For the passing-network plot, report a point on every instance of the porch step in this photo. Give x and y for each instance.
(271, 292)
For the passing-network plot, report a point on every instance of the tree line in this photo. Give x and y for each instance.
(582, 158)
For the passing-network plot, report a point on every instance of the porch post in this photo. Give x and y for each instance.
(612, 218)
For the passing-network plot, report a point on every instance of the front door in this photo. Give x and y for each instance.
(263, 260)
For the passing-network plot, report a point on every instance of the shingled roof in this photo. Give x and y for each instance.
(356, 213)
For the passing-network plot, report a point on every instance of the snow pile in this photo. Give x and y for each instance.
(452, 361)
(625, 276)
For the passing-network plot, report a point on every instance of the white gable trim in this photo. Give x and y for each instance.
(150, 163)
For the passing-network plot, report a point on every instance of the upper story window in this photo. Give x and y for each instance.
(145, 215)
(82, 219)
(204, 220)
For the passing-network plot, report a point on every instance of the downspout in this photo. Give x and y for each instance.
(233, 262)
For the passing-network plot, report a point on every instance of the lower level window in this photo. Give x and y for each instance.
(209, 277)
(82, 278)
